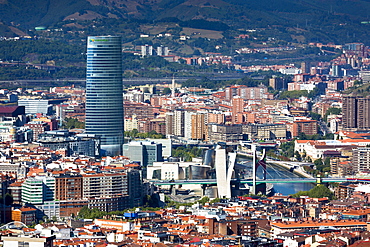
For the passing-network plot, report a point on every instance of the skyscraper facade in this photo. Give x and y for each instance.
(356, 113)
(104, 98)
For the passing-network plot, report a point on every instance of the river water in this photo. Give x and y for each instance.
(277, 172)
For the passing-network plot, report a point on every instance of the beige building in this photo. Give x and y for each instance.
(199, 129)
(265, 131)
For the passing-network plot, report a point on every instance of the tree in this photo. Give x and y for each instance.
(166, 91)
(319, 191)
(332, 111)
(297, 156)
(204, 200)
(287, 149)
(315, 116)
(73, 123)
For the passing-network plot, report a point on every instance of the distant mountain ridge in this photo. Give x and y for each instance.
(47, 12)
(306, 14)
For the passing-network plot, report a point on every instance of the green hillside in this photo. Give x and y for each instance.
(315, 20)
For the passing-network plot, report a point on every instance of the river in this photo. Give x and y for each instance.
(274, 172)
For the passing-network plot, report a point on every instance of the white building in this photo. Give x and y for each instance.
(33, 106)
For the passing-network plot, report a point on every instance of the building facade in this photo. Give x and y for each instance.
(36, 190)
(104, 92)
(309, 127)
(356, 113)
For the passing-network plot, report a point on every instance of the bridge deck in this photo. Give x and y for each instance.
(249, 181)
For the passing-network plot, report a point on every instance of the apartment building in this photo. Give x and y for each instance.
(309, 127)
(103, 185)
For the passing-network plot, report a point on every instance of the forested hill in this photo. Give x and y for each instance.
(232, 12)
(316, 20)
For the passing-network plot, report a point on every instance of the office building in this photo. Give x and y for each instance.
(36, 190)
(145, 153)
(104, 96)
(34, 106)
(265, 131)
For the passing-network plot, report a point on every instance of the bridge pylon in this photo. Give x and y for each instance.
(318, 180)
(257, 163)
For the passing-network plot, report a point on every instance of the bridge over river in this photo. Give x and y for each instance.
(260, 181)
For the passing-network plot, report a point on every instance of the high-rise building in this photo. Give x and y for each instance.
(188, 124)
(104, 98)
(349, 111)
(199, 126)
(146, 50)
(356, 113)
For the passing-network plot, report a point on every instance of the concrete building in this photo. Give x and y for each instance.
(113, 191)
(349, 112)
(166, 146)
(169, 123)
(237, 106)
(363, 113)
(177, 170)
(188, 124)
(34, 106)
(68, 187)
(75, 145)
(179, 122)
(278, 83)
(265, 131)
(356, 113)
(101, 185)
(31, 241)
(162, 51)
(146, 50)
(361, 160)
(309, 127)
(37, 128)
(104, 92)
(225, 132)
(199, 130)
(143, 152)
(36, 190)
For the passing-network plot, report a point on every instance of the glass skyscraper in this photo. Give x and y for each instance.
(104, 99)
